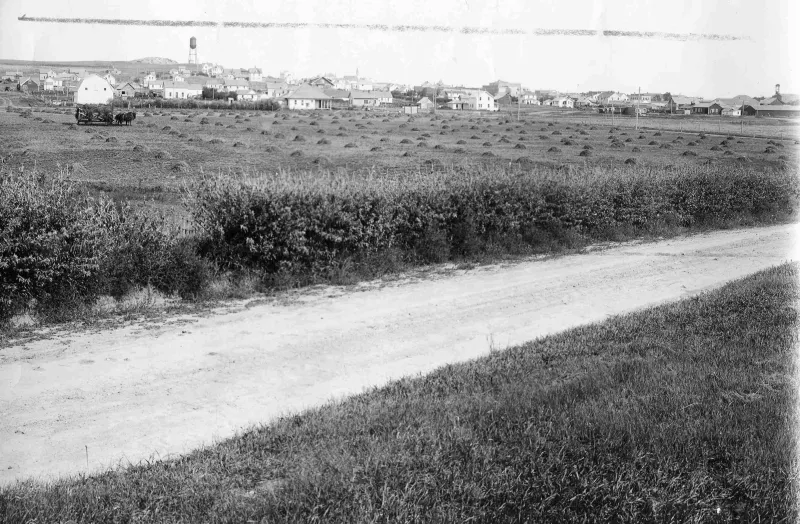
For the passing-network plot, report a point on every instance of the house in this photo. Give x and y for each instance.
(149, 77)
(728, 110)
(206, 68)
(214, 83)
(127, 90)
(680, 103)
(236, 85)
(584, 101)
(30, 85)
(182, 90)
(94, 89)
(254, 74)
(480, 100)
(45, 73)
(563, 102)
(645, 98)
(338, 95)
(322, 82)
(425, 103)
(277, 89)
(529, 98)
(250, 94)
(51, 84)
(308, 97)
(364, 98)
(178, 77)
(384, 97)
(457, 105)
(501, 87)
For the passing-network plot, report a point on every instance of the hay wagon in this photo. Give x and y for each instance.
(94, 114)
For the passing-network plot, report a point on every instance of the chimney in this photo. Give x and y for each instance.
(777, 89)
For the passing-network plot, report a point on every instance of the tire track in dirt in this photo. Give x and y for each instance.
(132, 393)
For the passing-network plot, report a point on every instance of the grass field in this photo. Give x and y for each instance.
(164, 149)
(679, 413)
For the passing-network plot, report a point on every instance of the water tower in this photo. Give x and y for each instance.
(193, 51)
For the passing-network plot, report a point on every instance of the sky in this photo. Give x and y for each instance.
(751, 65)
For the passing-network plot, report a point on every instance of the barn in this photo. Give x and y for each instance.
(94, 90)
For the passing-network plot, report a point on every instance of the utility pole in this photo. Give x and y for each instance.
(637, 107)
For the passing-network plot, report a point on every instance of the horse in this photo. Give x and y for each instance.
(119, 117)
(129, 117)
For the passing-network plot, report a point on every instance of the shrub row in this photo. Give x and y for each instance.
(310, 222)
(60, 247)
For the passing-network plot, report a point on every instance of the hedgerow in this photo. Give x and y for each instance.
(301, 223)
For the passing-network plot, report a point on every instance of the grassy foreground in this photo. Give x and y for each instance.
(680, 413)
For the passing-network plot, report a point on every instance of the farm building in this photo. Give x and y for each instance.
(182, 90)
(705, 108)
(364, 99)
(29, 85)
(94, 90)
(127, 90)
(782, 111)
(307, 97)
(425, 103)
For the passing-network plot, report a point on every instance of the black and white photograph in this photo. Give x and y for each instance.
(462, 261)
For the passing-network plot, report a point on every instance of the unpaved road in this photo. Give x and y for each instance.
(132, 393)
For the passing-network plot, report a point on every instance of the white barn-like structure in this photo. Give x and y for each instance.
(94, 90)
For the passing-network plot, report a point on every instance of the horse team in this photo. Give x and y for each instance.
(125, 118)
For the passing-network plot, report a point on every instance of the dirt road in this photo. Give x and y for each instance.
(136, 392)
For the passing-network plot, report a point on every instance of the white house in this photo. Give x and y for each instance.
(480, 100)
(644, 98)
(182, 90)
(237, 85)
(45, 73)
(562, 101)
(178, 77)
(618, 97)
(254, 74)
(364, 86)
(149, 77)
(529, 98)
(384, 97)
(364, 99)
(307, 97)
(94, 90)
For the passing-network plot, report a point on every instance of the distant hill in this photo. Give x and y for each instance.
(154, 60)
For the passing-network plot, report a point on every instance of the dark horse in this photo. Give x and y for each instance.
(128, 117)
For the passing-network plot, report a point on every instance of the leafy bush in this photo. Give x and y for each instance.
(60, 247)
(300, 223)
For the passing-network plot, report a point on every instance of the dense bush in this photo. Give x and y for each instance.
(301, 223)
(60, 247)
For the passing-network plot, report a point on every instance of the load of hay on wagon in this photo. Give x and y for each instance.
(94, 113)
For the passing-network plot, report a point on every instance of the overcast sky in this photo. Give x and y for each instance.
(703, 67)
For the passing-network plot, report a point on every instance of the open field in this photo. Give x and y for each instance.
(681, 412)
(163, 149)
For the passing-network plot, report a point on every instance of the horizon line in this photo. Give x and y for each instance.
(394, 28)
